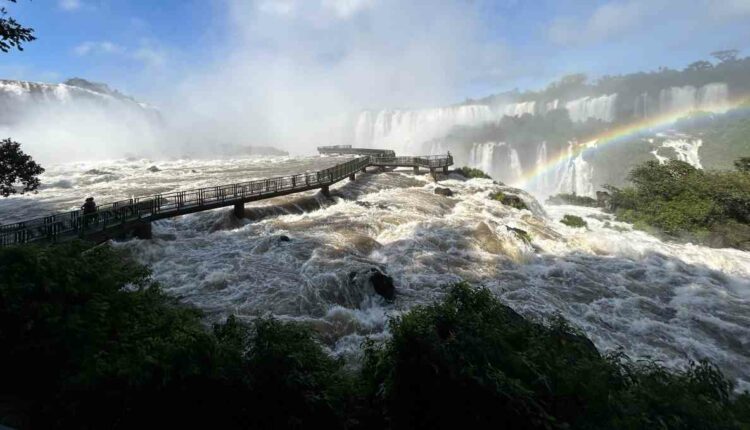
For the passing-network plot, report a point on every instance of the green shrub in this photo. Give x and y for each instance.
(573, 221)
(471, 362)
(572, 199)
(469, 172)
(680, 200)
(89, 341)
(509, 200)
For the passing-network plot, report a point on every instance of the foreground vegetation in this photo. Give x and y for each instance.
(89, 341)
(684, 202)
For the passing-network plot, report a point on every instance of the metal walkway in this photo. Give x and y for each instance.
(133, 216)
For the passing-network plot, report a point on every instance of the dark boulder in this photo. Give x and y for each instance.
(447, 192)
(381, 283)
(284, 238)
(154, 169)
(521, 234)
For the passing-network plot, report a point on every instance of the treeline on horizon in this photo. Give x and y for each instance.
(89, 341)
(726, 67)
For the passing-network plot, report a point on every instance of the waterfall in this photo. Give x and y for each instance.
(542, 182)
(685, 150)
(520, 109)
(406, 130)
(601, 108)
(574, 175)
(711, 97)
(553, 105)
(515, 164)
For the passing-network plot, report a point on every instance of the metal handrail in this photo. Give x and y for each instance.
(157, 206)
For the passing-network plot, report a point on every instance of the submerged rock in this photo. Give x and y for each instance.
(604, 200)
(381, 283)
(447, 192)
(284, 238)
(154, 169)
(511, 200)
(521, 234)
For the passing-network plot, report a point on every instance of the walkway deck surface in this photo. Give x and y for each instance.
(135, 215)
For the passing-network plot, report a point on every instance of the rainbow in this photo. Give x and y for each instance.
(627, 133)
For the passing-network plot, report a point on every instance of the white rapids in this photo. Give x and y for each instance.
(624, 288)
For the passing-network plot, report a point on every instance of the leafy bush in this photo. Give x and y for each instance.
(572, 199)
(679, 199)
(469, 172)
(89, 341)
(471, 362)
(509, 200)
(573, 221)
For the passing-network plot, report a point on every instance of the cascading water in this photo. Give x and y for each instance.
(623, 287)
(406, 130)
(685, 149)
(497, 159)
(711, 97)
(520, 109)
(601, 108)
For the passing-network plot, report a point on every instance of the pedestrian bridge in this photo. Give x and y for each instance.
(134, 216)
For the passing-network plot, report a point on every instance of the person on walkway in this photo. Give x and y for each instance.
(89, 208)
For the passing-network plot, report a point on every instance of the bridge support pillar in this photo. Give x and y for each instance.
(416, 170)
(445, 169)
(325, 191)
(239, 210)
(364, 170)
(351, 177)
(432, 173)
(143, 231)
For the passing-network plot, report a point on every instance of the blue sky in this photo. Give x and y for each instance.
(374, 52)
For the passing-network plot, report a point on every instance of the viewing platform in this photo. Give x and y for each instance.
(134, 216)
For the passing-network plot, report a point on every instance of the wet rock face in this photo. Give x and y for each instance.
(381, 283)
(604, 200)
(447, 192)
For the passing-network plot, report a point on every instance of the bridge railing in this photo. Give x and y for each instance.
(431, 161)
(113, 214)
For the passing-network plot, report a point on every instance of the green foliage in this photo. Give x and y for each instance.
(13, 34)
(572, 199)
(573, 221)
(468, 172)
(679, 199)
(509, 200)
(471, 362)
(743, 164)
(15, 167)
(88, 341)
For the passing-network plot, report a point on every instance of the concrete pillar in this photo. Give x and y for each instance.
(445, 169)
(351, 177)
(325, 191)
(143, 231)
(416, 170)
(239, 210)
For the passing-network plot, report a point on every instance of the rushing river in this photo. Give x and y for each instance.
(623, 288)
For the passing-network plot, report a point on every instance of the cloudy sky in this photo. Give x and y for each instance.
(361, 53)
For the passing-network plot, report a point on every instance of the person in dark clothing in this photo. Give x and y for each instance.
(89, 207)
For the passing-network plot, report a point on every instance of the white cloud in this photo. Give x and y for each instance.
(150, 56)
(346, 8)
(103, 47)
(293, 69)
(69, 5)
(606, 22)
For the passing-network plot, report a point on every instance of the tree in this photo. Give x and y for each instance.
(17, 167)
(742, 164)
(12, 34)
(699, 65)
(725, 55)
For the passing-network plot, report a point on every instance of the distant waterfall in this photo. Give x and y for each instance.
(497, 159)
(520, 109)
(405, 130)
(601, 108)
(684, 149)
(712, 97)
